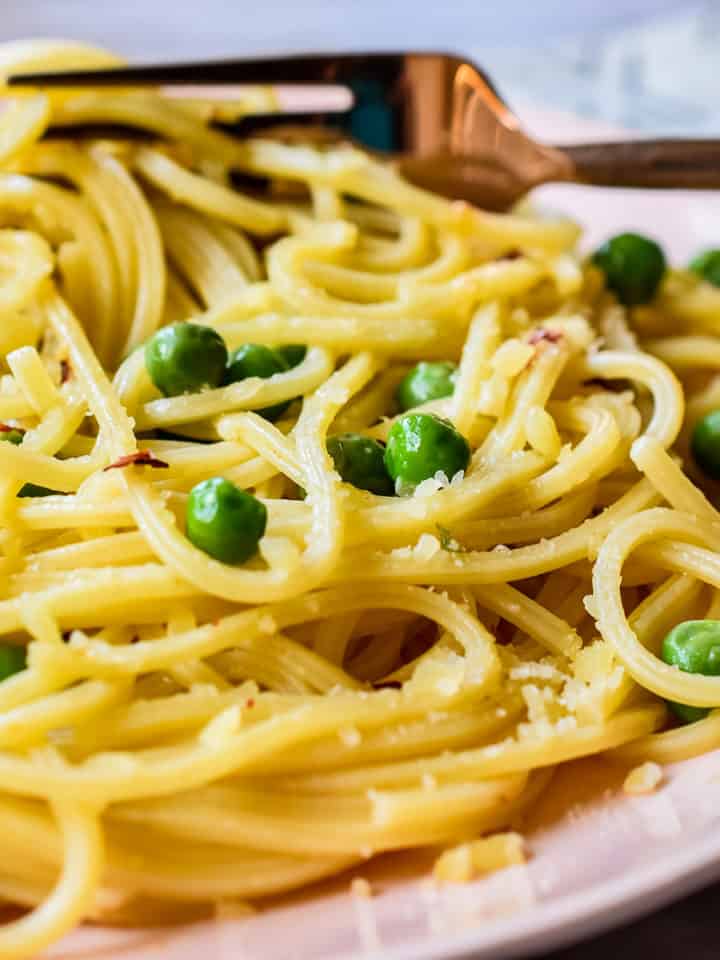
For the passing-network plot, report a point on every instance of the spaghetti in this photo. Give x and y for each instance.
(386, 671)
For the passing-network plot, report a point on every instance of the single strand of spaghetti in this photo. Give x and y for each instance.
(27, 725)
(649, 671)
(685, 354)
(115, 549)
(667, 477)
(29, 56)
(33, 379)
(551, 631)
(253, 393)
(672, 746)
(407, 337)
(669, 403)
(327, 203)
(71, 897)
(57, 513)
(205, 196)
(482, 341)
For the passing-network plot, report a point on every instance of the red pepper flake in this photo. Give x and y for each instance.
(537, 336)
(250, 704)
(143, 458)
(65, 371)
(4, 428)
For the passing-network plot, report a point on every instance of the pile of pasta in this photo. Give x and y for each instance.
(387, 672)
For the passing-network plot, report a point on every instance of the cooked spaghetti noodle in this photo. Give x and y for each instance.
(387, 672)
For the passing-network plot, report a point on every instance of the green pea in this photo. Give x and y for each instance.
(425, 382)
(360, 461)
(705, 444)
(12, 436)
(34, 490)
(421, 444)
(292, 353)
(13, 659)
(694, 647)
(225, 521)
(257, 360)
(707, 266)
(185, 358)
(633, 266)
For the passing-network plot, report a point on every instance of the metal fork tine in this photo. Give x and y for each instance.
(311, 69)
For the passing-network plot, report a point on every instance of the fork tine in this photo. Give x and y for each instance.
(310, 69)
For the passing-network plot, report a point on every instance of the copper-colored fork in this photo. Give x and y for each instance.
(438, 115)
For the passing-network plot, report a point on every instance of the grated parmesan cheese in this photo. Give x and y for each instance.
(467, 861)
(643, 779)
(541, 432)
(360, 887)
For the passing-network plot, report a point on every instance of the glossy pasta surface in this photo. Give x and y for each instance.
(386, 671)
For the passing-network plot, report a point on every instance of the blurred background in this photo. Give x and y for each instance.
(646, 64)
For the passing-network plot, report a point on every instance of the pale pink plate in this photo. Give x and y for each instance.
(599, 857)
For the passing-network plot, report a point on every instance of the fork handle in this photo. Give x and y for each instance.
(692, 164)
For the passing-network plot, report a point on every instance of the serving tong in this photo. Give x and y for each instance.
(438, 116)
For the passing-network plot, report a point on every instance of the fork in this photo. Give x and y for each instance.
(438, 116)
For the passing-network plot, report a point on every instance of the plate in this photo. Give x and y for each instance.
(599, 857)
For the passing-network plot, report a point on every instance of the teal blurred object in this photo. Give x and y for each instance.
(371, 120)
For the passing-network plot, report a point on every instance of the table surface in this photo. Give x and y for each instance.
(605, 61)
